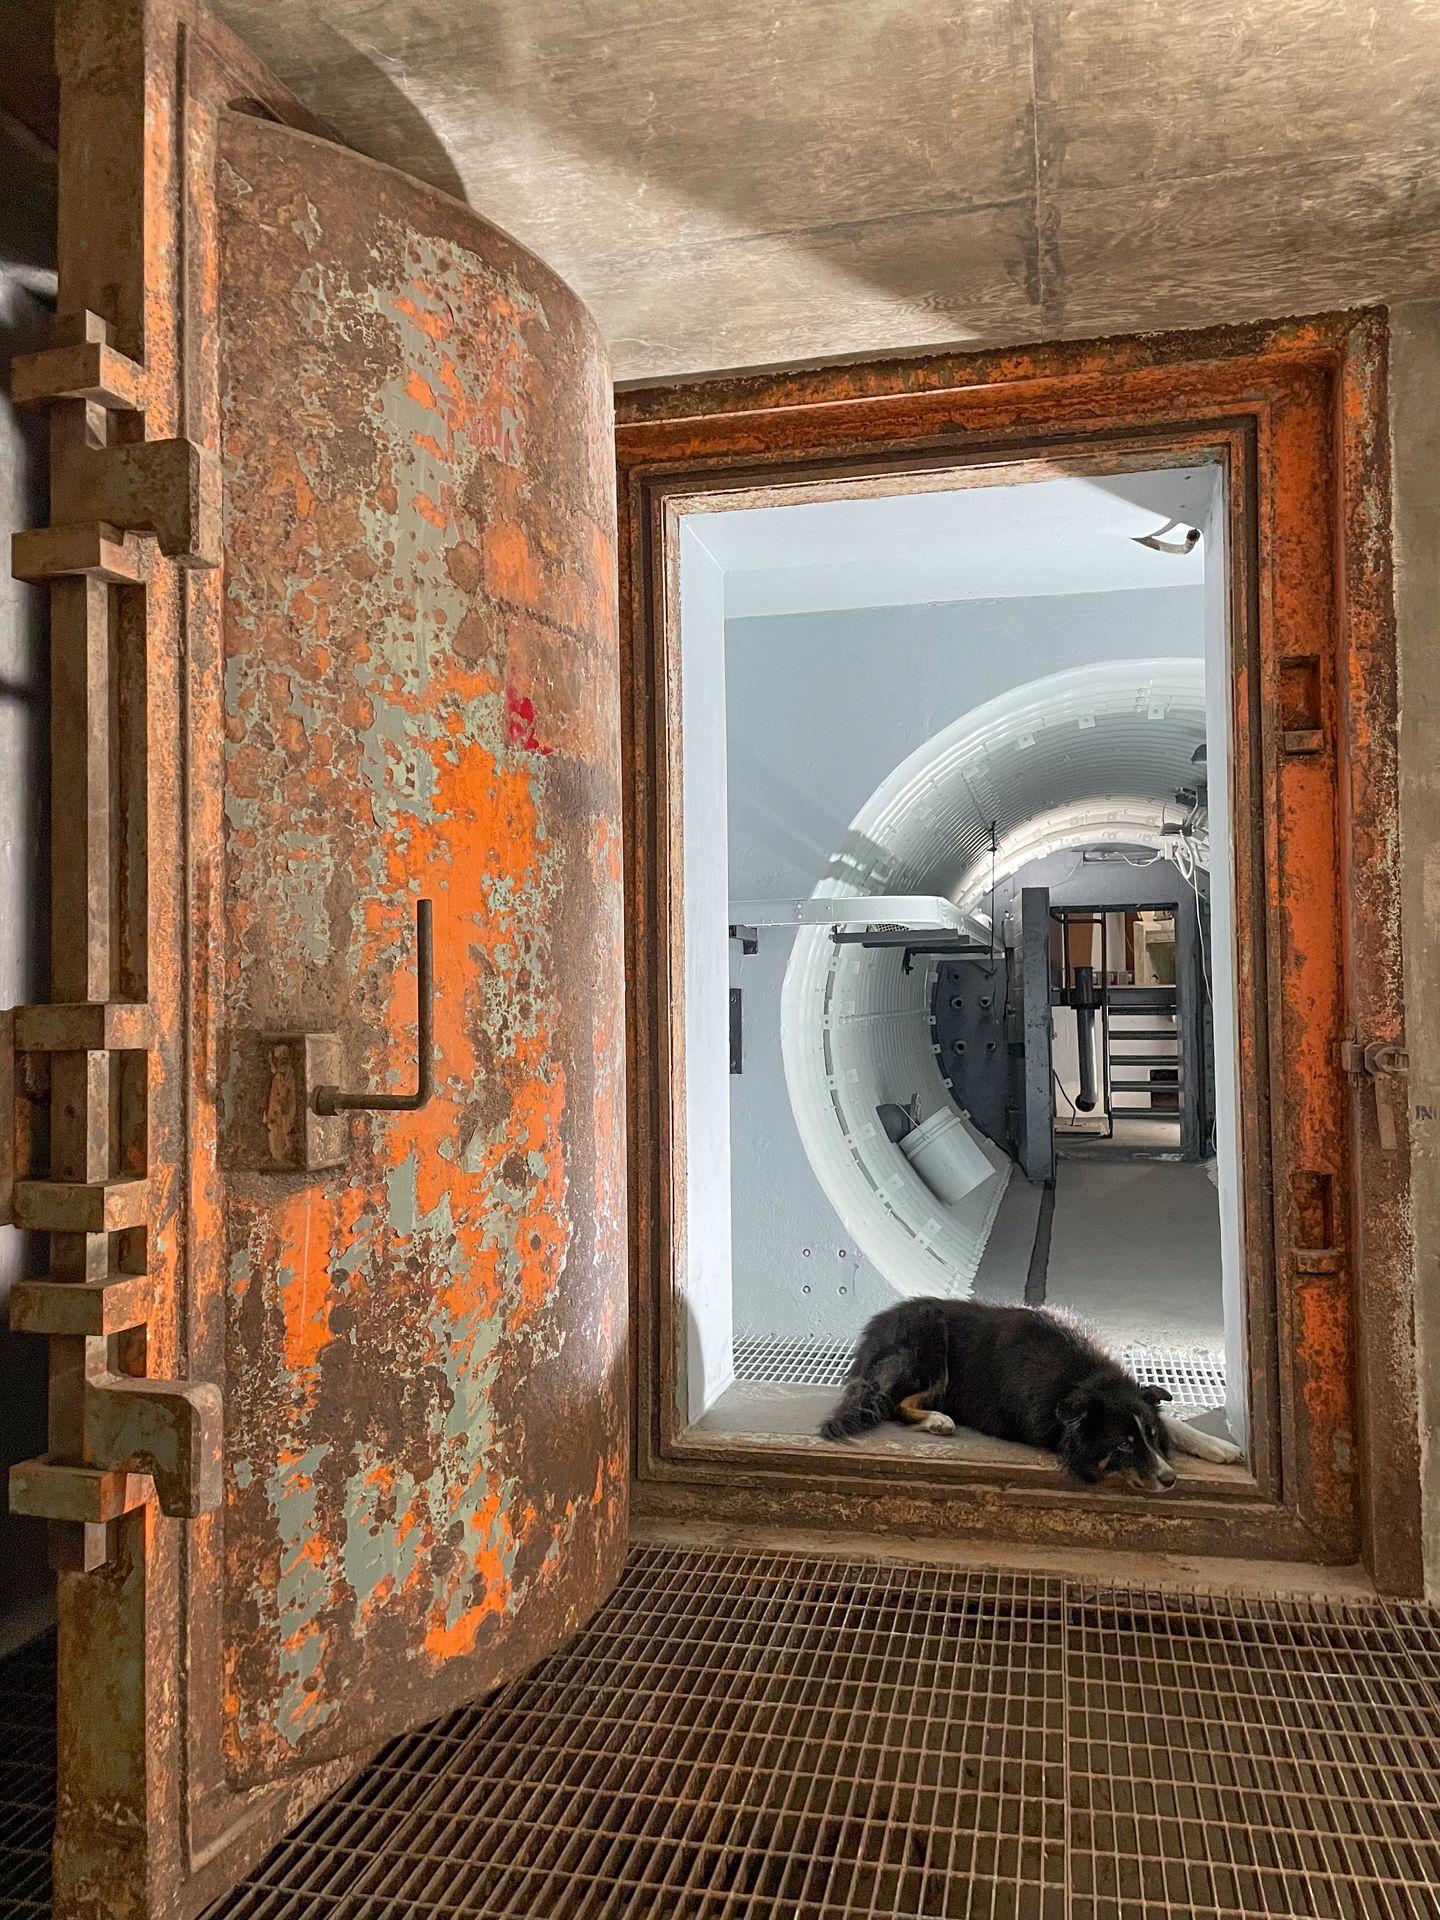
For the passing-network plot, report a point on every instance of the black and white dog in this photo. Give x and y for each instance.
(1016, 1373)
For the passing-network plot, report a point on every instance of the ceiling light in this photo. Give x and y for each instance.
(1159, 544)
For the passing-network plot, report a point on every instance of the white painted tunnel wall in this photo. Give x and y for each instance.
(706, 1256)
(804, 759)
(855, 1028)
(1222, 955)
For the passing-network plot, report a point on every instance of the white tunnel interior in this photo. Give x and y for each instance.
(911, 700)
(1088, 757)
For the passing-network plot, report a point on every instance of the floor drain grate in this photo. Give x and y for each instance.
(1195, 1380)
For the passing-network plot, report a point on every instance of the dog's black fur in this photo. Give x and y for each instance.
(1017, 1373)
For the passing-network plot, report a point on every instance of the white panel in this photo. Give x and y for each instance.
(707, 1292)
(1222, 963)
(1059, 536)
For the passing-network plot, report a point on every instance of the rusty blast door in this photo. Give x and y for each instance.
(334, 1184)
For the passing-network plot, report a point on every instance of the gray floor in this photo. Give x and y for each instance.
(1135, 1250)
(1006, 1260)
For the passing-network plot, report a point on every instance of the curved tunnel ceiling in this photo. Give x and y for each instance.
(1080, 758)
(1118, 733)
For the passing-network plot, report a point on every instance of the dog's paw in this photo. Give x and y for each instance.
(937, 1423)
(1201, 1446)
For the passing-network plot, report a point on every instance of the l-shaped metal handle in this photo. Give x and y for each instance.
(330, 1100)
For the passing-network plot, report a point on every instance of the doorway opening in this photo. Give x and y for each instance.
(958, 932)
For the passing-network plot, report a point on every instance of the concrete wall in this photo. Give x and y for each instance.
(1415, 431)
(25, 1586)
(819, 709)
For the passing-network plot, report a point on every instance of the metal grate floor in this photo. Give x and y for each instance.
(757, 1735)
(793, 1363)
(27, 1779)
(1195, 1377)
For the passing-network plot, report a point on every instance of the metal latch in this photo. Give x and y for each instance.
(1380, 1063)
(300, 1130)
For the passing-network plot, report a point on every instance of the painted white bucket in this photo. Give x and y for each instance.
(946, 1157)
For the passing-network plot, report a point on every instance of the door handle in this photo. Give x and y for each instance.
(1382, 1065)
(330, 1100)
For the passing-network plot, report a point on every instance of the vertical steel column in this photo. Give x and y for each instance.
(1189, 1014)
(1038, 1105)
(81, 891)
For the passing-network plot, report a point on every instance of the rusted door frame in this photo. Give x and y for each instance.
(1295, 412)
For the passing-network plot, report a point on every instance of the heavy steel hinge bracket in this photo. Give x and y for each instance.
(168, 488)
(1382, 1064)
(137, 1437)
(139, 1431)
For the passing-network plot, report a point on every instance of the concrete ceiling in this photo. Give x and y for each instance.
(747, 182)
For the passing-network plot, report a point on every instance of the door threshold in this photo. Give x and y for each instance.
(1193, 1572)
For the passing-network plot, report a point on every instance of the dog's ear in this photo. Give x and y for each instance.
(1074, 1407)
(1157, 1396)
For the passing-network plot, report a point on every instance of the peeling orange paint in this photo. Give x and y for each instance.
(421, 702)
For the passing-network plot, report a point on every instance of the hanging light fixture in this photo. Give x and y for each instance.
(1159, 544)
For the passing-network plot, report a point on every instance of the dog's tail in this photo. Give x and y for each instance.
(864, 1404)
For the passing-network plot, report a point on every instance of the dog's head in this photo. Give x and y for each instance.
(1110, 1429)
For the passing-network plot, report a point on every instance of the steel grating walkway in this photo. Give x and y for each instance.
(757, 1735)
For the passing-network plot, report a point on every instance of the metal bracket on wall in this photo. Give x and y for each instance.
(80, 364)
(302, 1129)
(148, 1434)
(294, 1137)
(170, 489)
(1384, 1065)
(1301, 704)
(138, 1437)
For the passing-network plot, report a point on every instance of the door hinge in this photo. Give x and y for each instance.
(1382, 1064)
(135, 1437)
(165, 1433)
